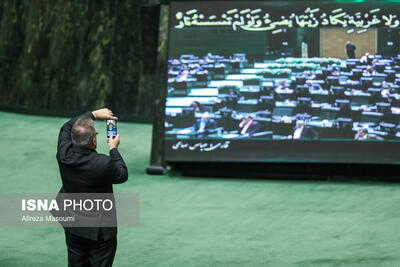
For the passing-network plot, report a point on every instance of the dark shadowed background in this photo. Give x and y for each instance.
(69, 56)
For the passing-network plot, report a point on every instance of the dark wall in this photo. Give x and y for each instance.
(217, 40)
(388, 41)
(73, 55)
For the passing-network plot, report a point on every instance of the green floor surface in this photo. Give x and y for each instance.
(204, 222)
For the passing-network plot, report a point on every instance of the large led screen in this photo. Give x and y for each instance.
(283, 81)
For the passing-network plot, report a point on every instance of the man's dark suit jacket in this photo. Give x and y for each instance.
(85, 171)
(351, 50)
(253, 128)
(307, 134)
(210, 125)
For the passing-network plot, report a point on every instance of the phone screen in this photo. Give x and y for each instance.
(111, 128)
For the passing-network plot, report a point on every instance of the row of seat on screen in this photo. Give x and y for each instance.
(326, 76)
(321, 106)
(350, 93)
(301, 86)
(205, 68)
(186, 74)
(343, 109)
(387, 93)
(325, 86)
(343, 127)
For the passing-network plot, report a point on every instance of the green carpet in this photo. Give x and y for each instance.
(204, 222)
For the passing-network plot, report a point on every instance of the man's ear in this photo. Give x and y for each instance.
(94, 142)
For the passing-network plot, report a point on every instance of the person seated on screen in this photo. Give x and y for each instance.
(386, 90)
(309, 75)
(363, 134)
(233, 59)
(235, 92)
(314, 88)
(229, 100)
(197, 107)
(368, 71)
(374, 62)
(283, 88)
(204, 125)
(209, 58)
(335, 70)
(219, 65)
(195, 69)
(364, 58)
(248, 126)
(303, 132)
(183, 74)
(282, 91)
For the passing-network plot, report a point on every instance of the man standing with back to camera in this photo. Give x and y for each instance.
(83, 170)
(350, 50)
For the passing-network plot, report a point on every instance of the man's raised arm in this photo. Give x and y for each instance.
(117, 169)
(64, 137)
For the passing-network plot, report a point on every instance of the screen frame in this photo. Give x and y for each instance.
(314, 153)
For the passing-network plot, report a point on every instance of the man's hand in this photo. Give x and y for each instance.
(113, 142)
(104, 114)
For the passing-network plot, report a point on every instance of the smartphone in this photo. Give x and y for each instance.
(111, 128)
